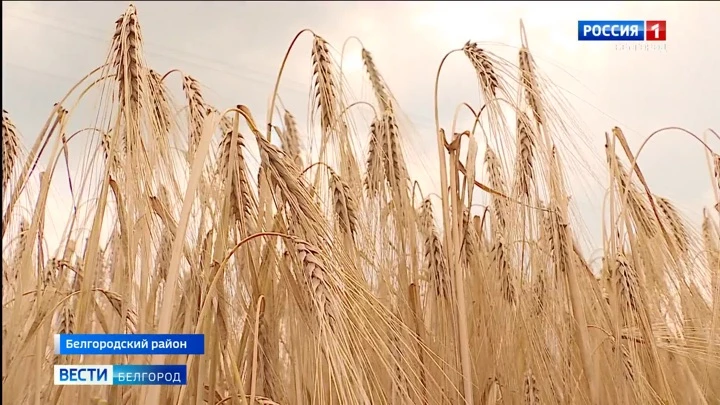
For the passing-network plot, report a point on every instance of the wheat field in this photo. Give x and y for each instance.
(328, 277)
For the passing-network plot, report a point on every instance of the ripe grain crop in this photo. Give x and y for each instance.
(316, 281)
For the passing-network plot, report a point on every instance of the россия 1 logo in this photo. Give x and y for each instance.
(622, 30)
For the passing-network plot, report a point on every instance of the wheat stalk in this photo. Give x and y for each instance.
(716, 168)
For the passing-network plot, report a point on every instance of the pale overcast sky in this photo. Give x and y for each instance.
(235, 48)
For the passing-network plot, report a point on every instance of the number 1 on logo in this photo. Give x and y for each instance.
(655, 30)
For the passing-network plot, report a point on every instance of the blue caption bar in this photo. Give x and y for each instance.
(131, 374)
(102, 344)
(611, 30)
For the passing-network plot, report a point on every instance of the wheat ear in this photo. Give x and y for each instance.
(502, 266)
(10, 148)
(344, 204)
(532, 391)
(483, 67)
(378, 85)
(527, 81)
(233, 168)
(325, 90)
(197, 111)
(525, 155)
(318, 281)
(435, 258)
(374, 163)
(497, 182)
(127, 60)
(679, 230)
(160, 102)
(291, 139)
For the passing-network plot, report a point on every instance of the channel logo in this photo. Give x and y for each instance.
(83, 375)
(622, 30)
(121, 374)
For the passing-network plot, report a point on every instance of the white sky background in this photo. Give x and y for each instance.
(235, 48)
